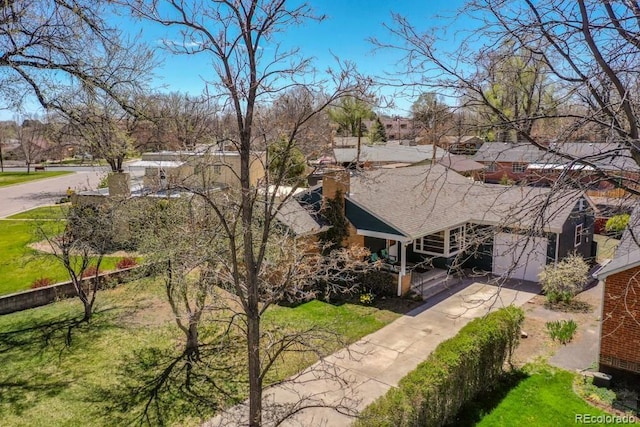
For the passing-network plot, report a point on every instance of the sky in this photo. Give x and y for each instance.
(344, 33)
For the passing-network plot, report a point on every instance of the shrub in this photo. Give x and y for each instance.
(456, 372)
(562, 330)
(126, 262)
(617, 224)
(378, 283)
(42, 282)
(561, 282)
(367, 298)
(90, 271)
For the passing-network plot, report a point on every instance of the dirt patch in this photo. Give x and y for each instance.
(44, 246)
(538, 343)
(148, 312)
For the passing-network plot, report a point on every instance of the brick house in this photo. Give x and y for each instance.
(619, 353)
(520, 162)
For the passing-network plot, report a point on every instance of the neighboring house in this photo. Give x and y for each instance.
(463, 166)
(429, 215)
(167, 171)
(619, 353)
(390, 153)
(520, 162)
(205, 167)
(464, 145)
(398, 127)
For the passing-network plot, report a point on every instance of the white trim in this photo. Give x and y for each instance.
(575, 235)
(379, 235)
(447, 242)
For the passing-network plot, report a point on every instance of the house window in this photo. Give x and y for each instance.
(389, 126)
(403, 126)
(445, 242)
(455, 240)
(217, 169)
(578, 237)
(519, 167)
(493, 166)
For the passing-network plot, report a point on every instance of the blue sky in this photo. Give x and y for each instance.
(344, 33)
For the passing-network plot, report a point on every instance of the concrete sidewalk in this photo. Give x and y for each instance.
(333, 391)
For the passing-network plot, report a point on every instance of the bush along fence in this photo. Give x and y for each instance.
(454, 373)
(47, 294)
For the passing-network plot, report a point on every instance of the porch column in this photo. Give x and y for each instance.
(403, 265)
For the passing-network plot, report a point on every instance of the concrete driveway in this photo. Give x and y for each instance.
(350, 379)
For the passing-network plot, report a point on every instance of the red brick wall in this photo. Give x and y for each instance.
(620, 339)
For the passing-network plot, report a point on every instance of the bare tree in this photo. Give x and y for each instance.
(79, 243)
(31, 137)
(586, 52)
(48, 44)
(249, 68)
(98, 124)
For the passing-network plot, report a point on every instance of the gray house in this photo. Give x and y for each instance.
(429, 216)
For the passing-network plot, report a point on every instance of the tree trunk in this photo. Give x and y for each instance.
(255, 379)
(192, 349)
(88, 311)
(28, 167)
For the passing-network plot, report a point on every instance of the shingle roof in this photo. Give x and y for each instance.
(425, 199)
(608, 156)
(460, 163)
(395, 153)
(297, 218)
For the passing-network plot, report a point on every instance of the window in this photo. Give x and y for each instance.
(578, 237)
(403, 126)
(519, 167)
(217, 169)
(389, 126)
(492, 167)
(445, 242)
(455, 240)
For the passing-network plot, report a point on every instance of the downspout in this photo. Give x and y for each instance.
(557, 248)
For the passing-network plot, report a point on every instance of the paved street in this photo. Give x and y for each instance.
(352, 378)
(20, 197)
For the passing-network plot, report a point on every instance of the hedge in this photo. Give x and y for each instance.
(454, 373)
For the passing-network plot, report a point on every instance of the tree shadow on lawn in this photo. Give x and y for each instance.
(17, 392)
(472, 412)
(161, 386)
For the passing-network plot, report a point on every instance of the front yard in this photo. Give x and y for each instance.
(20, 265)
(102, 378)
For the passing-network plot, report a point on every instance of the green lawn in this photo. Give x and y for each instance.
(21, 265)
(44, 212)
(542, 396)
(9, 178)
(101, 379)
(606, 247)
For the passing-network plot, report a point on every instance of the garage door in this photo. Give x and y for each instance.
(519, 257)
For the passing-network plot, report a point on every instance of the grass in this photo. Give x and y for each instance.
(10, 178)
(100, 380)
(606, 247)
(537, 396)
(44, 212)
(21, 265)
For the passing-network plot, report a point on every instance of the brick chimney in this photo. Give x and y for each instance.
(334, 181)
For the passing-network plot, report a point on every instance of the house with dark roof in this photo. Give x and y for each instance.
(429, 216)
(523, 161)
(619, 353)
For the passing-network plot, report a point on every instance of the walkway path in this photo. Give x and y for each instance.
(353, 377)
